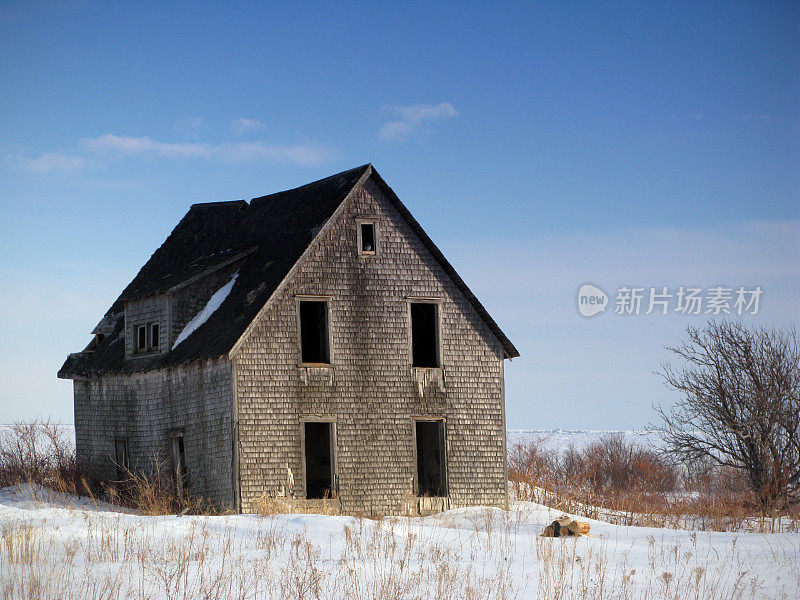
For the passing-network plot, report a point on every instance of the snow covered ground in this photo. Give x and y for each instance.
(68, 548)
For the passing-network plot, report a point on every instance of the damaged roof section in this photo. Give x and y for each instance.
(264, 238)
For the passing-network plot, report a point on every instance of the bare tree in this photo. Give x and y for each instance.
(740, 405)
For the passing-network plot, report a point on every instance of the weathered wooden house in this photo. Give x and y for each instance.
(311, 343)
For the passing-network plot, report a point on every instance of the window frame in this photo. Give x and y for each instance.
(360, 222)
(437, 302)
(309, 298)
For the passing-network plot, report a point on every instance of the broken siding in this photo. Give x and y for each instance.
(143, 407)
(371, 391)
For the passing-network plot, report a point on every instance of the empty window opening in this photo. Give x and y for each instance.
(424, 334)
(368, 238)
(141, 337)
(180, 473)
(314, 331)
(319, 460)
(154, 336)
(121, 460)
(430, 458)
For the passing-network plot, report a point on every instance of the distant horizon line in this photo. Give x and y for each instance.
(508, 429)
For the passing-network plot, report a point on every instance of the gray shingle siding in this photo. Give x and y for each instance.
(370, 390)
(143, 407)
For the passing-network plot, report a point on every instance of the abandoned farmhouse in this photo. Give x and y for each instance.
(309, 344)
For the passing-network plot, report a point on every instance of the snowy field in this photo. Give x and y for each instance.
(66, 548)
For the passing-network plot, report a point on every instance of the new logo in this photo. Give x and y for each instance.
(591, 300)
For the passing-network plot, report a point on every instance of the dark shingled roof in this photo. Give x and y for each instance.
(267, 236)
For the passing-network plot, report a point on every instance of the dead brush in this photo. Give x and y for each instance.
(41, 454)
(38, 452)
(152, 493)
(616, 481)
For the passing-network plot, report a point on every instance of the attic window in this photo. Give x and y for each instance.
(314, 344)
(154, 336)
(141, 338)
(424, 334)
(367, 238)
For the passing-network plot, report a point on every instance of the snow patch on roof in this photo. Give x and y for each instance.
(213, 304)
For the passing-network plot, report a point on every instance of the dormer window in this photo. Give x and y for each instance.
(147, 337)
(367, 238)
(154, 336)
(141, 338)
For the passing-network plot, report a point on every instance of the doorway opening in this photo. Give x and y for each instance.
(430, 458)
(319, 459)
(180, 473)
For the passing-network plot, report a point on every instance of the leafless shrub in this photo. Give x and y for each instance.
(38, 452)
(617, 481)
(612, 466)
(532, 468)
(42, 453)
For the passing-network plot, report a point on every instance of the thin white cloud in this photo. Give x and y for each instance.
(52, 161)
(395, 130)
(413, 117)
(416, 113)
(302, 154)
(100, 150)
(114, 144)
(242, 126)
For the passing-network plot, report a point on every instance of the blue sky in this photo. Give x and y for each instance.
(542, 147)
